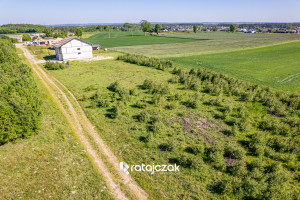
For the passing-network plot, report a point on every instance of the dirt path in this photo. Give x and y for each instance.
(98, 151)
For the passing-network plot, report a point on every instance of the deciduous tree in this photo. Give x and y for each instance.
(78, 32)
(157, 28)
(195, 28)
(146, 26)
(232, 28)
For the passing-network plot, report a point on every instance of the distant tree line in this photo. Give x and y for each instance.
(21, 28)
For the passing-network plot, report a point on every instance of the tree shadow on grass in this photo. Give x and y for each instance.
(49, 57)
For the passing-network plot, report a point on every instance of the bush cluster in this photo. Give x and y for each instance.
(20, 112)
(146, 61)
(277, 102)
(54, 65)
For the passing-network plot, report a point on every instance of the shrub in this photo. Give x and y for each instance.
(176, 97)
(90, 88)
(157, 127)
(188, 161)
(237, 169)
(234, 152)
(172, 105)
(54, 65)
(144, 116)
(279, 144)
(166, 146)
(234, 130)
(215, 157)
(140, 104)
(216, 101)
(192, 103)
(116, 112)
(195, 149)
(157, 99)
(257, 143)
(114, 87)
(174, 79)
(253, 189)
(256, 164)
(147, 84)
(132, 92)
(146, 61)
(103, 103)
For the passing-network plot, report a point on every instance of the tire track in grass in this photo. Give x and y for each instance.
(84, 129)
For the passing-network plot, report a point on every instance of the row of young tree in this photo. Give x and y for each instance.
(256, 158)
(20, 112)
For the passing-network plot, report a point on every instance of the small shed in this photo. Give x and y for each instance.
(96, 47)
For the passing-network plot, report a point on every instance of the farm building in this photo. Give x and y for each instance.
(96, 47)
(46, 41)
(72, 49)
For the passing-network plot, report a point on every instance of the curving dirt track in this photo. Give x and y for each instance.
(102, 157)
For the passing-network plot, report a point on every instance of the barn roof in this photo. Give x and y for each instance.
(66, 40)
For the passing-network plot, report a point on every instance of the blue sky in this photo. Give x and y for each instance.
(120, 11)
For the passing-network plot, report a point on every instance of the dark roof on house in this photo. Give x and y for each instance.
(66, 40)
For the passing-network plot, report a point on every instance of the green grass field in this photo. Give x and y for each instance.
(42, 52)
(118, 39)
(146, 127)
(208, 43)
(276, 66)
(219, 35)
(51, 164)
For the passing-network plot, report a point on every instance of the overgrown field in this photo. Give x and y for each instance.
(276, 66)
(231, 138)
(20, 113)
(118, 39)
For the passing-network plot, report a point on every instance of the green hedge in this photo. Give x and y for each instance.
(20, 114)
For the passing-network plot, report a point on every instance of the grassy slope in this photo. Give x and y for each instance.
(126, 136)
(50, 165)
(276, 66)
(126, 39)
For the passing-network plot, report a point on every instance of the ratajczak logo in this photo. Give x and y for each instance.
(124, 167)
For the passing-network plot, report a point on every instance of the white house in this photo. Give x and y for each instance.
(72, 49)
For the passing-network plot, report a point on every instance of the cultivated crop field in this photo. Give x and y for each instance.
(232, 139)
(184, 44)
(275, 66)
(134, 38)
